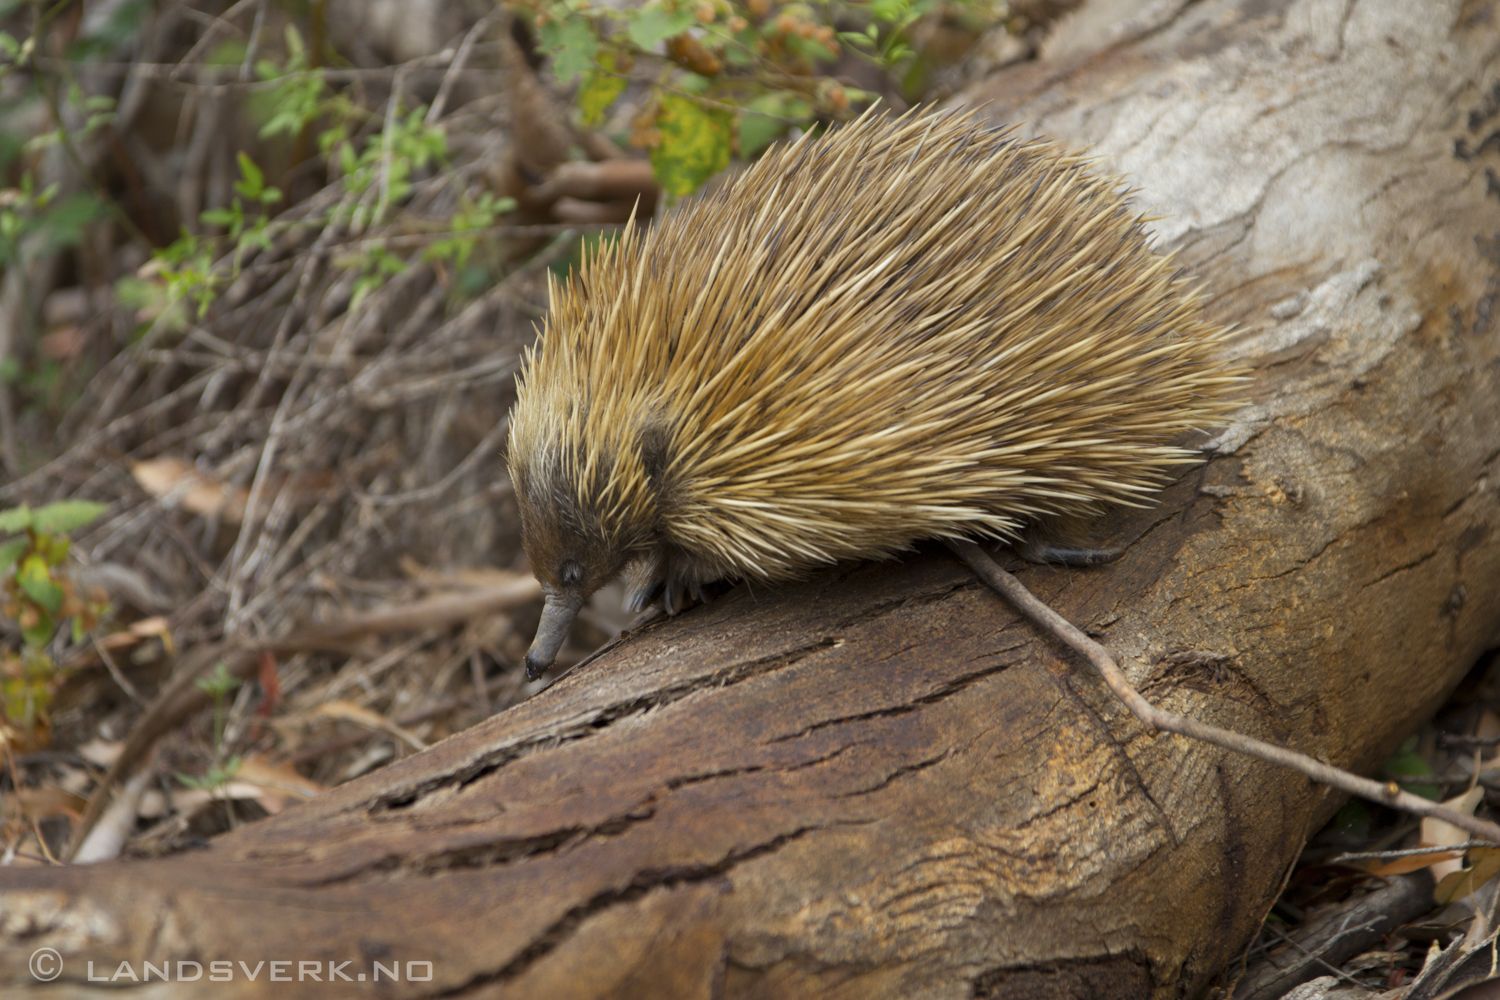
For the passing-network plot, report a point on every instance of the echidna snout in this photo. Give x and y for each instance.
(905, 329)
(560, 607)
(570, 551)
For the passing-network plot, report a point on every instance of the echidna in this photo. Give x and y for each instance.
(905, 329)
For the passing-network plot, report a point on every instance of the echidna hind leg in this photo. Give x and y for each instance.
(1065, 555)
(1039, 544)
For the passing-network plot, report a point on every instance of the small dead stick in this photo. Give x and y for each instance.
(1155, 718)
(173, 705)
(181, 698)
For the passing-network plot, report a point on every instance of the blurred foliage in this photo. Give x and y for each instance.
(41, 599)
(36, 224)
(731, 76)
(376, 172)
(218, 685)
(707, 80)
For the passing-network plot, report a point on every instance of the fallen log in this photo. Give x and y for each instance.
(882, 783)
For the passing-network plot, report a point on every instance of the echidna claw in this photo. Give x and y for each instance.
(640, 595)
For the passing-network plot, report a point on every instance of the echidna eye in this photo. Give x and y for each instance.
(569, 573)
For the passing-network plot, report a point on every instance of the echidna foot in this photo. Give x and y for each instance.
(1039, 544)
(654, 580)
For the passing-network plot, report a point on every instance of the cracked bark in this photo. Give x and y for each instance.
(880, 783)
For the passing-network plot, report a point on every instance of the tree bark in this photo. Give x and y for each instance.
(881, 783)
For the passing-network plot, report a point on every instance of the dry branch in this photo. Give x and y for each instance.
(880, 783)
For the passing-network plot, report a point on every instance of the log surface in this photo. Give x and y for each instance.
(881, 783)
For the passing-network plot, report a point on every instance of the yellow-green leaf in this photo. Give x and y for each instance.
(600, 88)
(695, 143)
(35, 578)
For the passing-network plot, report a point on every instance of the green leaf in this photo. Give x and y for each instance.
(254, 180)
(41, 633)
(1409, 762)
(890, 11)
(295, 46)
(695, 144)
(15, 519)
(63, 224)
(810, 48)
(764, 120)
(232, 219)
(119, 25)
(572, 45)
(65, 516)
(599, 90)
(9, 47)
(657, 24)
(219, 683)
(228, 53)
(757, 132)
(35, 578)
(11, 551)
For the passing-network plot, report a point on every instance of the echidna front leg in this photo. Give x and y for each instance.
(644, 580)
(658, 578)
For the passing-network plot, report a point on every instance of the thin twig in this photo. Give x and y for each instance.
(490, 442)
(456, 67)
(440, 611)
(1455, 740)
(12, 318)
(1309, 956)
(234, 565)
(255, 26)
(1386, 793)
(85, 171)
(481, 690)
(165, 71)
(114, 671)
(1411, 852)
(221, 21)
(176, 701)
(392, 108)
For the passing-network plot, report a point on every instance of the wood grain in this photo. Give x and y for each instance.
(880, 783)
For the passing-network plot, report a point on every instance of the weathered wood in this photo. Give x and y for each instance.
(880, 783)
